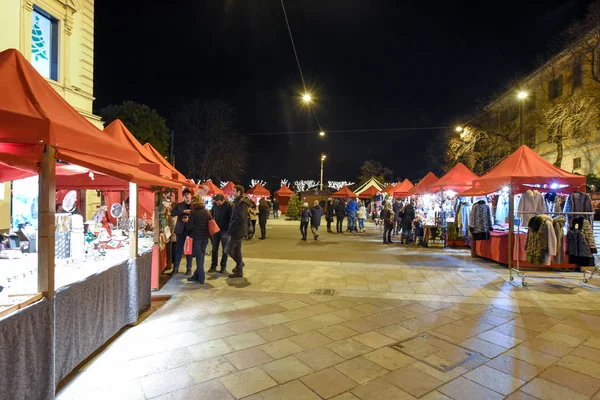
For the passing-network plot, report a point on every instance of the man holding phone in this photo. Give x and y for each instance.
(182, 212)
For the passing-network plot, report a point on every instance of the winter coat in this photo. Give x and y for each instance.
(178, 211)
(531, 203)
(362, 212)
(305, 215)
(480, 221)
(263, 213)
(397, 208)
(462, 218)
(408, 216)
(315, 216)
(579, 202)
(222, 215)
(252, 212)
(388, 218)
(581, 245)
(558, 225)
(330, 213)
(276, 205)
(238, 226)
(352, 207)
(536, 242)
(340, 209)
(197, 226)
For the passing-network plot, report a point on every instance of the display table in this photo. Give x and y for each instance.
(496, 249)
(44, 342)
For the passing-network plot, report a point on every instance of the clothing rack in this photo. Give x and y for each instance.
(520, 274)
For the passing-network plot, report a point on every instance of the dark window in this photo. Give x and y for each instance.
(577, 74)
(513, 112)
(504, 117)
(530, 137)
(555, 88)
(530, 102)
(577, 163)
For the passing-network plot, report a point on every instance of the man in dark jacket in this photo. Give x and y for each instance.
(330, 213)
(221, 212)
(407, 219)
(197, 229)
(238, 228)
(315, 219)
(340, 212)
(182, 212)
(275, 208)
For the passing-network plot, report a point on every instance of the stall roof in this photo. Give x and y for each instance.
(370, 183)
(369, 192)
(33, 114)
(156, 156)
(284, 191)
(212, 188)
(423, 185)
(259, 190)
(389, 189)
(401, 189)
(76, 177)
(229, 188)
(459, 178)
(524, 168)
(344, 192)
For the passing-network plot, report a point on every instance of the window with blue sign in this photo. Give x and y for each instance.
(44, 44)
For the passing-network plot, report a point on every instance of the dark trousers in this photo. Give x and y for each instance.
(200, 252)
(339, 223)
(219, 238)
(252, 229)
(179, 253)
(387, 233)
(304, 229)
(234, 249)
(263, 229)
(328, 225)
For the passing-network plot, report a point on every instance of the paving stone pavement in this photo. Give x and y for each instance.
(465, 332)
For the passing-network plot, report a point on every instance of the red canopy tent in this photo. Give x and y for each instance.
(344, 192)
(371, 191)
(423, 186)
(159, 158)
(229, 189)
(213, 189)
(458, 179)
(401, 189)
(284, 191)
(259, 190)
(389, 189)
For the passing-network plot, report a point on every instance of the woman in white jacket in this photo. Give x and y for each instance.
(361, 214)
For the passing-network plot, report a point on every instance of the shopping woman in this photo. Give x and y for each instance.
(387, 216)
(263, 214)
(197, 229)
(253, 212)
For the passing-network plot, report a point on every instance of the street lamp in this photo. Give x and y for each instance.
(307, 98)
(323, 157)
(459, 129)
(522, 95)
(321, 133)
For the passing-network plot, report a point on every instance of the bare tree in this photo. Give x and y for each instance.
(207, 143)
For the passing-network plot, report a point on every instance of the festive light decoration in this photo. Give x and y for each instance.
(337, 185)
(222, 184)
(285, 182)
(254, 182)
(303, 186)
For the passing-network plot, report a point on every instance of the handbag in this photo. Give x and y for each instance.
(188, 246)
(213, 227)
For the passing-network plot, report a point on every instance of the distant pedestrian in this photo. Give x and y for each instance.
(407, 220)
(322, 203)
(329, 214)
(263, 213)
(253, 217)
(238, 228)
(316, 212)
(351, 209)
(361, 214)
(275, 208)
(221, 212)
(397, 208)
(305, 217)
(197, 229)
(182, 212)
(340, 213)
(387, 215)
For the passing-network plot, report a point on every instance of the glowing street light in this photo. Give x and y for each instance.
(522, 95)
(307, 97)
(323, 157)
(459, 129)
(321, 133)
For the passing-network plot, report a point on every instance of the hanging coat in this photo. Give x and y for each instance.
(579, 202)
(481, 221)
(559, 225)
(531, 203)
(581, 245)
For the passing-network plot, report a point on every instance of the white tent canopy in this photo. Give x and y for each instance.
(371, 182)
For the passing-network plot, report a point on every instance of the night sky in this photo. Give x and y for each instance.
(373, 64)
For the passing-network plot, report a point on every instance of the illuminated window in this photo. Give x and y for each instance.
(577, 163)
(44, 44)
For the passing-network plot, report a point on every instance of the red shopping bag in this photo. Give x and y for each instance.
(213, 227)
(187, 247)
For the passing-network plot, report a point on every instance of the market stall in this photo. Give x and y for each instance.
(400, 191)
(372, 185)
(258, 192)
(428, 207)
(344, 192)
(229, 190)
(369, 193)
(283, 196)
(526, 173)
(53, 330)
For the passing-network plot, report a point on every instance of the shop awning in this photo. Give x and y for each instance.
(525, 168)
(259, 190)
(77, 177)
(229, 189)
(284, 191)
(369, 192)
(423, 186)
(344, 192)
(459, 178)
(401, 189)
(33, 114)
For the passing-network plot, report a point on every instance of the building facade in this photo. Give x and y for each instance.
(57, 37)
(559, 99)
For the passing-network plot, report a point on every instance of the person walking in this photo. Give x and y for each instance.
(361, 214)
(253, 214)
(197, 229)
(182, 212)
(340, 212)
(238, 228)
(329, 214)
(305, 218)
(316, 212)
(221, 213)
(263, 214)
(275, 208)
(407, 219)
(351, 210)
(322, 203)
(397, 209)
(387, 215)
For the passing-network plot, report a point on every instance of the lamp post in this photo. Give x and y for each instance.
(323, 157)
(522, 95)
